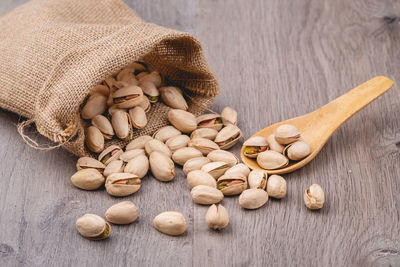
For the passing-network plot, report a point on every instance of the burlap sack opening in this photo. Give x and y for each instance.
(52, 52)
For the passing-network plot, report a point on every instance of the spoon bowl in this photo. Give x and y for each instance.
(316, 127)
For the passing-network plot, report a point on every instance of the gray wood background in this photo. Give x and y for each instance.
(275, 60)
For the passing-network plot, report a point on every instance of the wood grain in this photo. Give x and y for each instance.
(275, 60)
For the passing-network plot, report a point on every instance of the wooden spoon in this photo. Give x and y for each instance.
(316, 127)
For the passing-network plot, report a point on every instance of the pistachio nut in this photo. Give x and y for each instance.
(138, 143)
(112, 109)
(114, 86)
(95, 105)
(182, 120)
(217, 217)
(153, 77)
(162, 167)
(93, 227)
(109, 154)
(138, 117)
(254, 145)
(271, 160)
(170, 223)
(286, 134)
(274, 145)
(229, 116)
(157, 145)
(183, 154)
(138, 165)
(94, 139)
(104, 125)
(122, 184)
(198, 177)
(224, 156)
(253, 198)
(176, 142)
(216, 169)
(89, 163)
(100, 89)
(165, 133)
(228, 136)
(204, 133)
(173, 97)
(127, 75)
(314, 197)
(127, 97)
(195, 164)
(297, 150)
(257, 179)
(204, 145)
(138, 66)
(87, 179)
(124, 212)
(232, 184)
(141, 75)
(122, 125)
(213, 121)
(130, 154)
(114, 167)
(144, 104)
(150, 90)
(206, 195)
(239, 169)
(276, 186)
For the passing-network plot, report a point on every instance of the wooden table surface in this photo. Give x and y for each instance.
(275, 60)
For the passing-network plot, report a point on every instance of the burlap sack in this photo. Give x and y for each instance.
(52, 52)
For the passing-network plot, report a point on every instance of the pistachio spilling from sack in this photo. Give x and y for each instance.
(173, 97)
(228, 136)
(165, 133)
(213, 121)
(87, 179)
(122, 184)
(162, 167)
(89, 163)
(109, 154)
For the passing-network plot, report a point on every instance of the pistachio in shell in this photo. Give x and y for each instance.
(194, 164)
(208, 133)
(138, 165)
(122, 125)
(276, 186)
(274, 145)
(104, 125)
(204, 145)
(138, 67)
(217, 217)
(141, 75)
(228, 136)
(89, 163)
(271, 160)
(138, 117)
(229, 116)
(127, 97)
(213, 121)
(100, 89)
(112, 109)
(138, 143)
(157, 145)
(206, 195)
(253, 198)
(87, 179)
(232, 184)
(124, 212)
(314, 197)
(183, 154)
(166, 132)
(95, 105)
(182, 120)
(254, 145)
(162, 167)
(170, 223)
(127, 75)
(177, 142)
(130, 154)
(198, 177)
(109, 154)
(240, 169)
(153, 77)
(297, 150)
(215, 169)
(94, 139)
(172, 96)
(114, 167)
(257, 179)
(122, 184)
(150, 90)
(144, 104)
(286, 134)
(224, 156)
(93, 227)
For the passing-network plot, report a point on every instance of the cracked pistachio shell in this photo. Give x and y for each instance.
(253, 198)
(114, 86)
(286, 134)
(93, 227)
(165, 133)
(162, 167)
(89, 163)
(297, 150)
(198, 177)
(176, 142)
(114, 167)
(228, 136)
(206, 195)
(95, 105)
(130, 154)
(122, 184)
(153, 77)
(314, 197)
(138, 143)
(173, 97)
(217, 217)
(138, 117)
(257, 179)
(94, 139)
(254, 145)
(109, 154)
(215, 169)
(204, 133)
(224, 156)
(104, 125)
(127, 97)
(150, 90)
(183, 154)
(170, 223)
(124, 212)
(87, 179)
(100, 89)
(121, 124)
(276, 186)
(157, 145)
(271, 160)
(195, 164)
(229, 116)
(182, 120)
(138, 165)
(213, 121)
(145, 104)
(204, 145)
(239, 169)
(274, 145)
(232, 184)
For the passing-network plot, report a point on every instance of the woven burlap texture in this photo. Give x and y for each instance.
(52, 52)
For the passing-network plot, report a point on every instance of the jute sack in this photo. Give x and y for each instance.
(52, 52)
